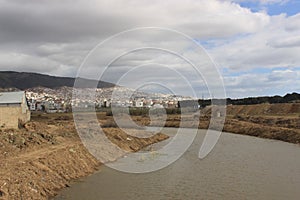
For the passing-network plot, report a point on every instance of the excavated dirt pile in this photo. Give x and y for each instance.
(44, 156)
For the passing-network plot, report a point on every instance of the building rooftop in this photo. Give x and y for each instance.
(11, 97)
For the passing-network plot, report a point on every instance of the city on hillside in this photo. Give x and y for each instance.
(62, 99)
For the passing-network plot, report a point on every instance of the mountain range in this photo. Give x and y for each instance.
(25, 80)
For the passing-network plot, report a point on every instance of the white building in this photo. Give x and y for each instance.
(14, 111)
(139, 103)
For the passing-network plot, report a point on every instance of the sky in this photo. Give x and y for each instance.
(254, 44)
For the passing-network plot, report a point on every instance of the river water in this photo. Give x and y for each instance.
(239, 167)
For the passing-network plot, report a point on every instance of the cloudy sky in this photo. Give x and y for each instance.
(255, 44)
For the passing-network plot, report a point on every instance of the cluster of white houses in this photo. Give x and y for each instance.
(45, 102)
(146, 103)
(63, 99)
(50, 104)
(15, 107)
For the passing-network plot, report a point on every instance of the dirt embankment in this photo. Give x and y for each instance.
(281, 109)
(47, 154)
(37, 161)
(264, 130)
(272, 121)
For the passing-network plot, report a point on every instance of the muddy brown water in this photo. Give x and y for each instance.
(239, 167)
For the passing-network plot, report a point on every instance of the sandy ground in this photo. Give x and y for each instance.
(46, 155)
(271, 121)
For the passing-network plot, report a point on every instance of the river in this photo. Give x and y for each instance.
(239, 167)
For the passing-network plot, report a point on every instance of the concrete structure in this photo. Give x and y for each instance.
(13, 109)
(139, 103)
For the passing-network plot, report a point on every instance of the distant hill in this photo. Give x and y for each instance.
(288, 98)
(25, 80)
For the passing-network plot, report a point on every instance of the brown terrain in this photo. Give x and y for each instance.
(271, 121)
(46, 155)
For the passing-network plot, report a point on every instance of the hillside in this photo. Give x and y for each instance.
(288, 98)
(25, 80)
(282, 109)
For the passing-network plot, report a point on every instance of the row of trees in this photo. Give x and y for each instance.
(288, 98)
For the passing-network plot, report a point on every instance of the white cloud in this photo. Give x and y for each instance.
(54, 36)
(263, 2)
(284, 75)
(58, 31)
(293, 24)
(273, 1)
(277, 82)
(293, 41)
(53, 27)
(274, 46)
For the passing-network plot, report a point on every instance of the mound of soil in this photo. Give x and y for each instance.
(264, 109)
(47, 154)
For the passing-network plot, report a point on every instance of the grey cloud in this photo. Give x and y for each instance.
(293, 23)
(269, 48)
(54, 36)
(283, 75)
(278, 82)
(55, 22)
(66, 21)
(286, 42)
(263, 2)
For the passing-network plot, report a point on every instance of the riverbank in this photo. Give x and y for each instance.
(269, 121)
(239, 167)
(44, 156)
(47, 154)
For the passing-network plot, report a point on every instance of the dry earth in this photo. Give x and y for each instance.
(43, 157)
(47, 154)
(271, 121)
